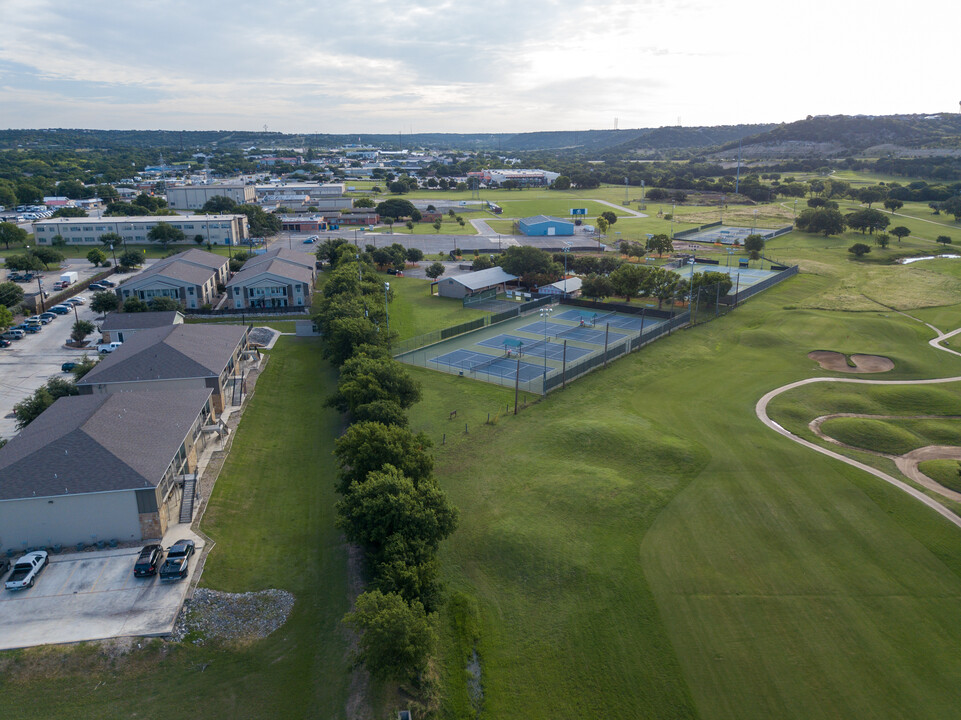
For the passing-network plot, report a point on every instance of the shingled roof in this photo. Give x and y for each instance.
(99, 443)
(168, 353)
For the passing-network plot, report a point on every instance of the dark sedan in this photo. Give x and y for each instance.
(178, 560)
(149, 561)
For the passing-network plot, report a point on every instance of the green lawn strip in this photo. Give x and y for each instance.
(148, 251)
(944, 472)
(892, 437)
(448, 227)
(272, 519)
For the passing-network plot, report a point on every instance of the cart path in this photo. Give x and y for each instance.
(761, 411)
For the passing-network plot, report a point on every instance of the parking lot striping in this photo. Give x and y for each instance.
(103, 566)
(67, 581)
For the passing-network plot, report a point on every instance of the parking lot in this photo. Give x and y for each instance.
(93, 595)
(28, 363)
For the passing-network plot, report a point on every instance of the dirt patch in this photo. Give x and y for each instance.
(838, 362)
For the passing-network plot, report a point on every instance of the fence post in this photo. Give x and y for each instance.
(607, 333)
(564, 368)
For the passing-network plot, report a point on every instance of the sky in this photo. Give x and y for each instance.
(379, 66)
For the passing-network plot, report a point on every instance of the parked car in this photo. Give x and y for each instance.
(13, 334)
(61, 309)
(178, 560)
(108, 347)
(4, 343)
(108, 283)
(47, 315)
(151, 557)
(309, 241)
(96, 286)
(32, 329)
(68, 366)
(26, 569)
(76, 300)
(42, 319)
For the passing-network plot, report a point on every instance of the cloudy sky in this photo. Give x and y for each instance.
(484, 66)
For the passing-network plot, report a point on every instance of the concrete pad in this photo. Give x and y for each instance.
(93, 596)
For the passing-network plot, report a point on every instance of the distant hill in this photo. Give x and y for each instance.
(846, 134)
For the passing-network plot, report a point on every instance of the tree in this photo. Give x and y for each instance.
(943, 239)
(435, 270)
(867, 220)
(660, 244)
(81, 329)
(602, 225)
(368, 446)
(524, 260)
(900, 232)
(396, 639)
(628, 279)
(134, 304)
(561, 182)
(66, 212)
(952, 206)
(893, 204)
(882, 239)
(662, 284)
(199, 239)
(218, 205)
(85, 365)
(821, 220)
(163, 304)
(396, 208)
(870, 195)
(436, 226)
(27, 261)
(97, 256)
(708, 287)
(345, 334)
(387, 504)
(597, 287)
(415, 255)
(610, 216)
(398, 188)
(28, 409)
(47, 256)
(859, 249)
(753, 243)
(6, 318)
(130, 259)
(409, 225)
(262, 224)
(104, 302)
(11, 294)
(364, 202)
(58, 241)
(165, 233)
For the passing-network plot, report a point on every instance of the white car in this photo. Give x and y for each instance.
(76, 300)
(108, 347)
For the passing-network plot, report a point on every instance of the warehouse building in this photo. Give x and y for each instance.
(101, 467)
(194, 197)
(542, 225)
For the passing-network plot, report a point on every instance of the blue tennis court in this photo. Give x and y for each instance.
(594, 336)
(476, 362)
(535, 348)
(742, 277)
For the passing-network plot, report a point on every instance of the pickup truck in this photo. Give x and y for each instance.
(109, 347)
(178, 560)
(26, 569)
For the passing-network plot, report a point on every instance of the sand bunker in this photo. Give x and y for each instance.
(837, 362)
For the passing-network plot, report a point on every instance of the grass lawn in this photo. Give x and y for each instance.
(891, 436)
(415, 311)
(152, 251)
(943, 471)
(424, 228)
(285, 326)
(638, 546)
(272, 517)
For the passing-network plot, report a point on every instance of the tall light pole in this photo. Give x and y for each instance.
(567, 249)
(114, 255)
(545, 312)
(673, 210)
(387, 312)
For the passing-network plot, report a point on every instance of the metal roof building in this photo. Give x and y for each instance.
(539, 225)
(474, 282)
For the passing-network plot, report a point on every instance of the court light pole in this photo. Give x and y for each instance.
(387, 312)
(545, 312)
(567, 249)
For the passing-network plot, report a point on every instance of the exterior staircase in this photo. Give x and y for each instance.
(188, 498)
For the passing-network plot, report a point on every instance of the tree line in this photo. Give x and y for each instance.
(391, 504)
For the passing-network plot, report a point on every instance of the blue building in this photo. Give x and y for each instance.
(541, 225)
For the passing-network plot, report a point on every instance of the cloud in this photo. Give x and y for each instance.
(439, 65)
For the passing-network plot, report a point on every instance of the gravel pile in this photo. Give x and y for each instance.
(213, 615)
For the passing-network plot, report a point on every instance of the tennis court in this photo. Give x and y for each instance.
(535, 348)
(741, 277)
(585, 334)
(502, 367)
(625, 322)
(727, 234)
